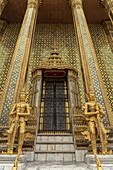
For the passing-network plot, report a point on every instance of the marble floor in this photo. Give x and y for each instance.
(56, 166)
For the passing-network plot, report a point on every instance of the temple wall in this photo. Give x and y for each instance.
(7, 46)
(3, 25)
(66, 43)
(104, 57)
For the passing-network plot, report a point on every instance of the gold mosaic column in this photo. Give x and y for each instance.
(3, 3)
(19, 63)
(108, 4)
(92, 76)
(77, 16)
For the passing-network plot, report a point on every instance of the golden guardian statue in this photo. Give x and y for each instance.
(94, 115)
(18, 116)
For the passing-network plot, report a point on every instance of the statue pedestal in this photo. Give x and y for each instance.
(80, 155)
(105, 160)
(7, 162)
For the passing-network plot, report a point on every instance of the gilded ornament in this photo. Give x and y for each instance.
(76, 3)
(87, 135)
(34, 3)
(15, 166)
(54, 61)
(99, 167)
(29, 137)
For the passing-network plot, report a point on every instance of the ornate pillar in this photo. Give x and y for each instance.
(108, 4)
(19, 63)
(79, 26)
(36, 99)
(36, 91)
(3, 3)
(74, 93)
(88, 59)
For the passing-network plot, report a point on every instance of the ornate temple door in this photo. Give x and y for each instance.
(54, 115)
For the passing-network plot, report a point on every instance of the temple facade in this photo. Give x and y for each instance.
(60, 52)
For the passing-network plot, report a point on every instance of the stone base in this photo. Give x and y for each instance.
(105, 160)
(80, 155)
(30, 157)
(7, 162)
(55, 157)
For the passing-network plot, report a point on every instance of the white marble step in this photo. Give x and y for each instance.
(55, 157)
(54, 138)
(54, 134)
(56, 166)
(54, 142)
(55, 147)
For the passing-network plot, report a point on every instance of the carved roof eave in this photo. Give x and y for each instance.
(46, 65)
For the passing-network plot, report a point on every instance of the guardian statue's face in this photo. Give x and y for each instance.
(22, 97)
(92, 97)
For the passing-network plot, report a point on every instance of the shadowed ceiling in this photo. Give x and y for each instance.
(54, 11)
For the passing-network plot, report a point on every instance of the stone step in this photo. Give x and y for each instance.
(54, 134)
(55, 157)
(56, 166)
(53, 151)
(55, 142)
(54, 138)
(55, 147)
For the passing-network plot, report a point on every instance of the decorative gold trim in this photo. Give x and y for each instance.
(76, 3)
(54, 73)
(34, 4)
(99, 167)
(15, 166)
(42, 109)
(66, 108)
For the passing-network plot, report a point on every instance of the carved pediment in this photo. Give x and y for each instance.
(55, 62)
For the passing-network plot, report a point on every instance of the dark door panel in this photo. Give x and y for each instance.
(54, 116)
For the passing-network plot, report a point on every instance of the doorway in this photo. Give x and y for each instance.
(54, 116)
